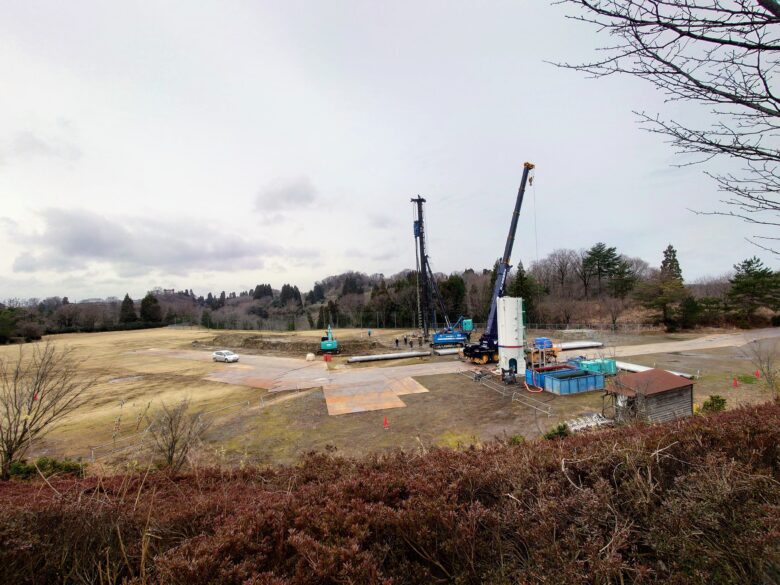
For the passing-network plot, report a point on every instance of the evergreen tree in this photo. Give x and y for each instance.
(317, 294)
(670, 267)
(453, 292)
(210, 300)
(690, 312)
(622, 280)
(205, 319)
(321, 318)
(753, 286)
(524, 286)
(127, 311)
(221, 300)
(489, 295)
(601, 261)
(151, 312)
(8, 320)
(288, 294)
(351, 285)
(333, 314)
(665, 290)
(170, 316)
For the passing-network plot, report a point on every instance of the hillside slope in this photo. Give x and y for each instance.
(692, 502)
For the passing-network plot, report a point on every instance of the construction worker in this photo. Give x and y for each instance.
(369, 332)
(396, 343)
(405, 341)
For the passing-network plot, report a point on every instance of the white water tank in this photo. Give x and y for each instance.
(511, 336)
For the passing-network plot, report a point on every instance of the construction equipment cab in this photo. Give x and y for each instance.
(328, 343)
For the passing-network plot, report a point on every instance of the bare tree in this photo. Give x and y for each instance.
(614, 307)
(583, 270)
(719, 53)
(175, 431)
(711, 286)
(563, 262)
(36, 393)
(764, 355)
(637, 266)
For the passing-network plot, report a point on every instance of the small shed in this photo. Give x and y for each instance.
(652, 396)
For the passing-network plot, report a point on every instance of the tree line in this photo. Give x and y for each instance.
(597, 285)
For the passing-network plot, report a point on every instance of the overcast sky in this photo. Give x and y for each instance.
(217, 145)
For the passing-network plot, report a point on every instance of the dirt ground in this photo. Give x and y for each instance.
(136, 374)
(299, 343)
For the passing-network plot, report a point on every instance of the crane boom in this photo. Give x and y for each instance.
(487, 348)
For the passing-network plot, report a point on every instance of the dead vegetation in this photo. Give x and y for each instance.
(38, 388)
(689, 503)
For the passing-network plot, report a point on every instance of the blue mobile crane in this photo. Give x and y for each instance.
(486, 350)
(458, 333)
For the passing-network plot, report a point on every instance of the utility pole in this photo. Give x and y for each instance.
(424, 300)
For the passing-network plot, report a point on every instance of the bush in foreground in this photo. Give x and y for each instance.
(48, 466)
(715, 403)
(691, 502)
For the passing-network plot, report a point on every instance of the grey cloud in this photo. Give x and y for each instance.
(377, 255)
(8, 226)
(73, 239)
(27, 144)
(286, 195)
(380, 221)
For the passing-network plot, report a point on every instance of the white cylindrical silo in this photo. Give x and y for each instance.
(511, 336)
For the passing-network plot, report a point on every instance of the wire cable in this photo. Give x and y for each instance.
(536, 232)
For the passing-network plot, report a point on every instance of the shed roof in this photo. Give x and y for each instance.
(649, 382)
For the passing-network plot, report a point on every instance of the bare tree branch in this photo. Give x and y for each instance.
(723, 53)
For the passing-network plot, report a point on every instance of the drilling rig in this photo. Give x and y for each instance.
(429, 298)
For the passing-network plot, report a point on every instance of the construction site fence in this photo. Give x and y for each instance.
(392, 322)
(584, 327)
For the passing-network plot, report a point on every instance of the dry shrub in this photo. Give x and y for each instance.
(690, 502)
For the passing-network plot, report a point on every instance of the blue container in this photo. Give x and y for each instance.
(536, 377)
(579, 381)
(543, 343)
(600, 366)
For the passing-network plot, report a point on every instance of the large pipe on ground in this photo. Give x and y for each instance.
(447, 351)
(637, 368)
(568, 345)
(388, 356)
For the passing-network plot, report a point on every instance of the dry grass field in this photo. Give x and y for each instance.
(139, 370)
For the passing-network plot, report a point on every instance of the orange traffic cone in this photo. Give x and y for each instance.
(734, 382)
(758, 374)
(386, 424)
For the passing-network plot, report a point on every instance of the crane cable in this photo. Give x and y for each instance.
(536, 233)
